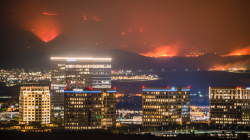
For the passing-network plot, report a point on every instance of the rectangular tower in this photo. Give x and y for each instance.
(163, 106)
(89, 109)
(229, 105)
(34, 104)
(77, 72)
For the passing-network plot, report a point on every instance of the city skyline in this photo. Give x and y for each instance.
(127, 69)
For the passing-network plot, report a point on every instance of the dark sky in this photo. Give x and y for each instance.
(140, 26)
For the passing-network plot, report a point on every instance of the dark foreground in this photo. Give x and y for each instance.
(14, 135)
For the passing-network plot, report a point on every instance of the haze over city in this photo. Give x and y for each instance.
(146, 27)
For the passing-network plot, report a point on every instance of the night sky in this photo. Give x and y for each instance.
(145, 27)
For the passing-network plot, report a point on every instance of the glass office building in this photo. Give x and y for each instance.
(89, 109)
(229, 106)
(80, 72)
(162, 106)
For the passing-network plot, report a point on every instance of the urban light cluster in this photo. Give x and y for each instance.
(140, 77)
(16, 76)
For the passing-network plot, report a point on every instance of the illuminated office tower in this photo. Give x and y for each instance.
(229, 105)
(162, 106)
(89, 109)
(70, 73)
(34, 104)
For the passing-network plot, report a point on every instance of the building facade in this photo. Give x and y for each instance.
(89, 109)
(165, 106)
(71, 72)
(229, 105)
(34, 104)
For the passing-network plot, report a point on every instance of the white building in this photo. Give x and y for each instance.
(34, 104)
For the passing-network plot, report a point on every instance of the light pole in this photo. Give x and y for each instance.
(139, 130)
(128, 130)
(162, 129)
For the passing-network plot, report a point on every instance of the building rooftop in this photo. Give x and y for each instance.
(89, 90)
(230, 87)
(80, 58)
(165, 88)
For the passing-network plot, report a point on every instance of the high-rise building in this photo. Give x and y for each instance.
(162, 106)
(34, 104)
(89, 109)
(72, 72)
(229, 105)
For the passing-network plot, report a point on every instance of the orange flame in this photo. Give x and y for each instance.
(241, 65)
(50, 14)
(165, 51)
(244, 51)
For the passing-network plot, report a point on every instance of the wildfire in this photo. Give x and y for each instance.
(46, 29)
(221, 68)
(165, 51)
(49, 14)
(244, 51)
(241, 65)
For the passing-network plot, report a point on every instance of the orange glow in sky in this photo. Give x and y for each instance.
(85, 18)
(95, 18)
(46, 29)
